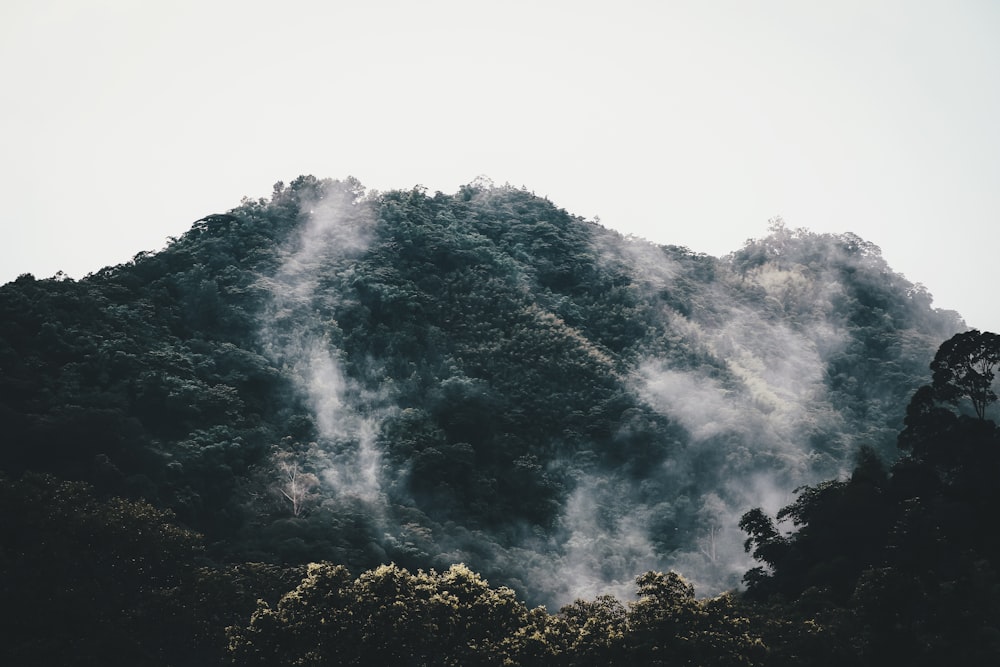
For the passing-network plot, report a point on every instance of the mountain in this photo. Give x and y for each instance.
(478, 378)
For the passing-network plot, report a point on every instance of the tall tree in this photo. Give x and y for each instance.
(964, 368)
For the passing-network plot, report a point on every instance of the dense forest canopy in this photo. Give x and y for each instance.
(410, 381)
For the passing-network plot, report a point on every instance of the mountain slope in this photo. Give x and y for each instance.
(479, 377)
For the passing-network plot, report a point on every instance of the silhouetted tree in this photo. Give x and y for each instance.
(964, 368)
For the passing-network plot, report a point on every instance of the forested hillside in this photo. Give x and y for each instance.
(423, 380)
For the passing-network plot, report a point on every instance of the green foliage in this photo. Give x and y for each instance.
(385, 616)
(494, 348)
(391, 616)
(507, 332)
(668, 626)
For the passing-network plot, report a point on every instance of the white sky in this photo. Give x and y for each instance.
(690, 123)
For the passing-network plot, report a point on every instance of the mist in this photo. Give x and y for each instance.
(728, 391)
(299, 336)
(759, 412)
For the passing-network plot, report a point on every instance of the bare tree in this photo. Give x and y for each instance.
(294, 485)
(706, 543)
(712, 509)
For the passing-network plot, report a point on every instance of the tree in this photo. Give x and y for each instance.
(595, 631)
(669, 626)
(87, 581)
(387, 616)
(964, 368)
(927, 426)
(295, 485)
(764, 543)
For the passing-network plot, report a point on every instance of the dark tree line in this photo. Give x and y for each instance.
(902, 560)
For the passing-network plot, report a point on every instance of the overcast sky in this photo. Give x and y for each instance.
(689, 123)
